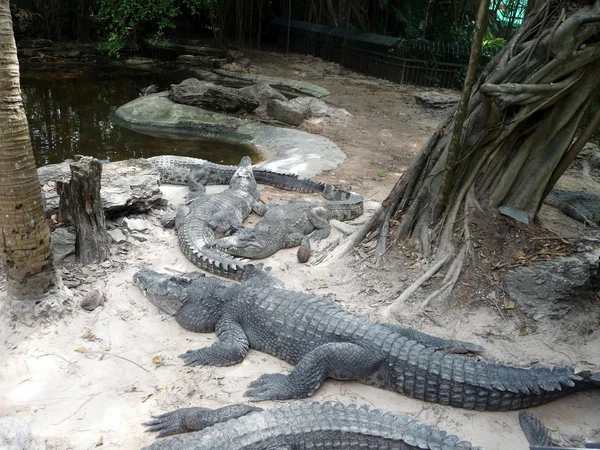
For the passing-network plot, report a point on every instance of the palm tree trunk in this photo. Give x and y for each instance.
(24, 233)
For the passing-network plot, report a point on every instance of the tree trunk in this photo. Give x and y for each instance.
(81, 202)
(521, 120)
(50, 12)
(25, 244)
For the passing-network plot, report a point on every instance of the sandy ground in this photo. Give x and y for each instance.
(89, 379)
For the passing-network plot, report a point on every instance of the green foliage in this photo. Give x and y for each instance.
(125, 16)
(112, 46)
(492, 45)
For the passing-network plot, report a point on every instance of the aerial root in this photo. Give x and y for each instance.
(450, 279)
(397, 304)
(352, 240)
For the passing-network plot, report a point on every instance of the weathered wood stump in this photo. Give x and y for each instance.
(207, 95)
(81, 203)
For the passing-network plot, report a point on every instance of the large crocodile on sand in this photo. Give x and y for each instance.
(207, 217)
(325, 341)
(177, 169)
(297, 426)
(292, 224)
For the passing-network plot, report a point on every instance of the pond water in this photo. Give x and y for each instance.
(69, 113)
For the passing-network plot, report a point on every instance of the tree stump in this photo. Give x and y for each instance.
(81, 203)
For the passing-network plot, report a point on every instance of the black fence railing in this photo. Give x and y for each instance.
(399, 60)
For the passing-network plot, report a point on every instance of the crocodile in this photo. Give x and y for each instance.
(292, 224)
(322, 340)
(205, 217)
(176, 170)
(296, 426)
(538, 435)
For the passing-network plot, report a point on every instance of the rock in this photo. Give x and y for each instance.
(581, 206)
(436, 100)
(117, 235)
(287, 112)
(137, 224)
(589, 150)
(92, 300)
(545, 288)
(517, 214)
(152, 89)
(262, 93)
(208, 95)
(284, 85)
(15, 435)
(138, 237)
(127, 186)
(63, 242)
(296, 151)
(301, 108)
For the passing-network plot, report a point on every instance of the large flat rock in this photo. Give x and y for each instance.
(284, 149)
(131, 185)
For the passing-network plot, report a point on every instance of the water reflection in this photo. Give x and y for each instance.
(70, 114)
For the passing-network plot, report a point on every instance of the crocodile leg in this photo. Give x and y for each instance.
(185, 420)
(449, 345)
(231, 349)
(261, 208)
(340, 360)
(319, 218)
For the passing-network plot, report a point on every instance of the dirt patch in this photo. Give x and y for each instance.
(95, 376)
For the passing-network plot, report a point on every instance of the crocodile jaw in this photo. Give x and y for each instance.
(247, 244)
(167, 292)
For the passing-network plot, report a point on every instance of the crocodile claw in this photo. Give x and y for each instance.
(271, 386)
(194, 358)
(167, 424)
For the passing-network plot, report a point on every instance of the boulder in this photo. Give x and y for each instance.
(204, 94)
(136, 224)
(301, 108)
(581, 206)
(92, 300)
(15, 435)
(287, 112)
(436, 100)
(127, 186)
(262, 93)
(545, 289)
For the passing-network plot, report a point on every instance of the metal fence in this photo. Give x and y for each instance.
(403, 61)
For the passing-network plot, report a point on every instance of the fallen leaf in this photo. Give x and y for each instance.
(524, 331)
(80, 350)
(108, 348)
(156, 359)
(89, 336)
(509, 304)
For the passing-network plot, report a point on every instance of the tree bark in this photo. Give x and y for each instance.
(521, 119)
(461, 112)
(25, 240)
(80, 201)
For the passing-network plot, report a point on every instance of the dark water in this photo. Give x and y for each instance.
(70, 113)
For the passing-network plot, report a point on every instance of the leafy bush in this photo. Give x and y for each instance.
(125, 16)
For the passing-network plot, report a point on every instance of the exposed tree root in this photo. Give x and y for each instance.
(516, 140)
(398, 303)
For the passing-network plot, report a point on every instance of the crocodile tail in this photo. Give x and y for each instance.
(588, 379)
(535, 431)
(220, 263)
(287, 181)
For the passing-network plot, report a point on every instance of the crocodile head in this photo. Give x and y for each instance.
(166, 291)
(249, 243)
(243, 178)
